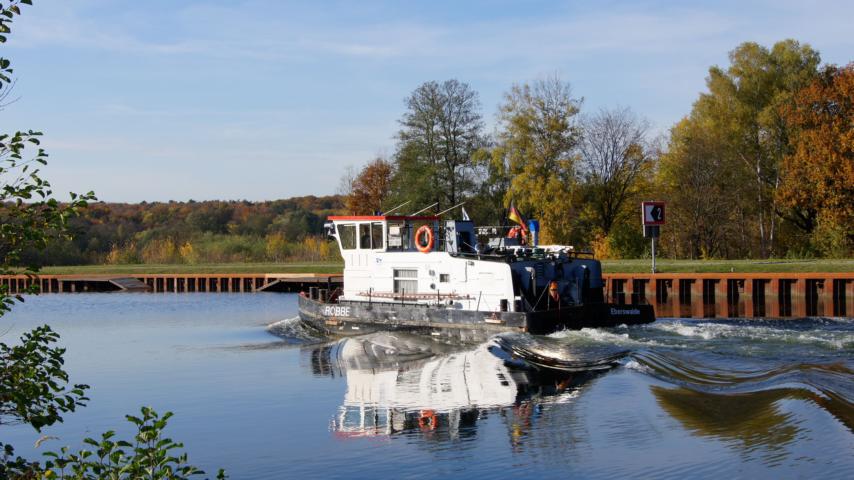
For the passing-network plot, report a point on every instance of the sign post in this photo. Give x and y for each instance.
(652, 217)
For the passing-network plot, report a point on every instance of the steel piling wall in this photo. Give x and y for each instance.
(695, 295)
(736, 295)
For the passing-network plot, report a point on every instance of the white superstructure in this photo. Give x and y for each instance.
(382, 263)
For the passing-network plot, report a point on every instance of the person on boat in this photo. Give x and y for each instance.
(519, 233)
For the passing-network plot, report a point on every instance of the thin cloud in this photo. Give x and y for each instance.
(285, 87)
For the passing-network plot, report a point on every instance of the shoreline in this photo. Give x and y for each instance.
(664, 266)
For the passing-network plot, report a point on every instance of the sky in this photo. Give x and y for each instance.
(161, 100)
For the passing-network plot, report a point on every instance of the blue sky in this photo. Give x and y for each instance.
(265, 99)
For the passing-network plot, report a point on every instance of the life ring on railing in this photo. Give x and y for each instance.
(427, 232)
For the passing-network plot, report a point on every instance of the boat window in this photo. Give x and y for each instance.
(407, 237)
(347, 234)
(365, 236)
(406, 281)
(398, 236)
(444, 277)
(466, 242)
(377, 235)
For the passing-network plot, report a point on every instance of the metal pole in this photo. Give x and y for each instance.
(448, 210)
(653, 254)
(397, 207)
(423, 209)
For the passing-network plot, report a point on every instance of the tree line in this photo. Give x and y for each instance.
(762, 166)
(195, 232)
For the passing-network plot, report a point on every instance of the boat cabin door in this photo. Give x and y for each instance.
(460, 237)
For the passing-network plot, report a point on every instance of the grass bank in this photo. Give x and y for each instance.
(612, 266)
(725, 266)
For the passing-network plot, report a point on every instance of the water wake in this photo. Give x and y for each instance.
(293, 330)
(831, 334)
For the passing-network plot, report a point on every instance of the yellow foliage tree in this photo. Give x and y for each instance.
(187, 253)
(537, 139)
(275, 247)
(160, 251)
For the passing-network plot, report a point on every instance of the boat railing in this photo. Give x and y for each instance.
(527, 253)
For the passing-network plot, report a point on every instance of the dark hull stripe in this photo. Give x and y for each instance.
(356, 318)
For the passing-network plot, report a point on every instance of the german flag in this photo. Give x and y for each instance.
(517, 217)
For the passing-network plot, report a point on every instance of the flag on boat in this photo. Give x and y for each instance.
(517, 217)
(465, 215)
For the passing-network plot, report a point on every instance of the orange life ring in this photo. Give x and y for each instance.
(424, 230)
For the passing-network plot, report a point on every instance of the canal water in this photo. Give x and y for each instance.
(254, 393)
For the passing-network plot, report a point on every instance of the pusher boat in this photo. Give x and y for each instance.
(422, 274)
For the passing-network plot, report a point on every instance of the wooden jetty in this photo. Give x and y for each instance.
(696, 295)
(172, 283)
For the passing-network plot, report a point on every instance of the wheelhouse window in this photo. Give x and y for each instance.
(365, 236)
(398, 236)
(377, 236)
(347, 235)
(405, 281)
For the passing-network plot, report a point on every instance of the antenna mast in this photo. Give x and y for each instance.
(397, 207)
(423, 209)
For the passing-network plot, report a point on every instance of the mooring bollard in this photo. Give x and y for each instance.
(322, 293)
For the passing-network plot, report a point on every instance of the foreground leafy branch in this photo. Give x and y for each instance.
(150, 455)
(33, 383)
(33, 389)
(34, 386)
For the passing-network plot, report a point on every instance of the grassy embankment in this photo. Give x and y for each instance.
(612, 266)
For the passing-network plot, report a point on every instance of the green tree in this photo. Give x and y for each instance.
(441, 131)
(486, 206)
(536, 141)
(615, 159)
(296, 224)
(743, 109)
(34, 387)
(696, 176)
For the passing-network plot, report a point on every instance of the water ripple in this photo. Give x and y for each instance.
(829, 386)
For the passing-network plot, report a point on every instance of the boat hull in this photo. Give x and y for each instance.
(357, 318)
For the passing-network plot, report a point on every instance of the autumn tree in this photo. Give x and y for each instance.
(370, 188)
(739, 119)
(536, 141)
(818, 175)
(441, 130)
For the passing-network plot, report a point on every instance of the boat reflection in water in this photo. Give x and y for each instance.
(398, 382)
